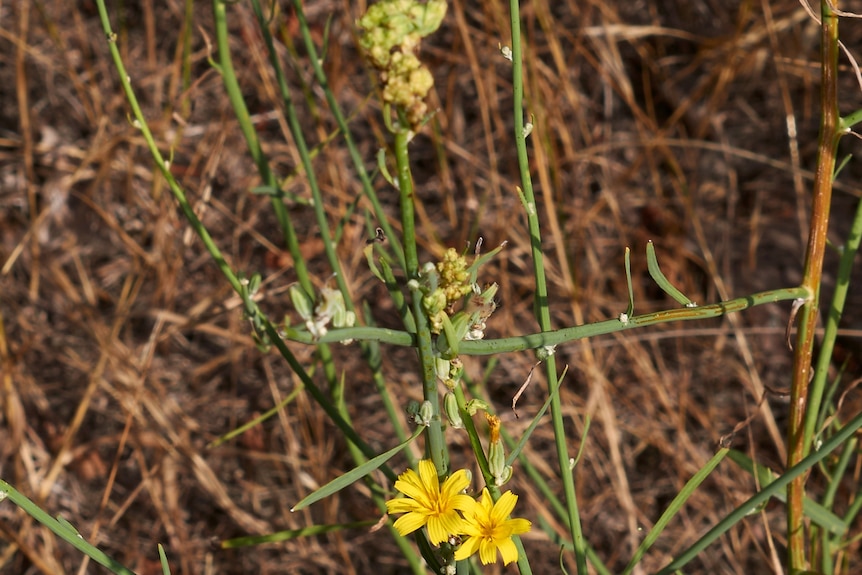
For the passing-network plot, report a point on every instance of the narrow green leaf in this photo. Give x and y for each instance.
(813, 510)
(381, 163)
(71, 530)
(291, 534)
(587, 423)
(659, 278)
(63, 529)
(257, 420)
(772, 490)
(350, 477)
(163, 559)
(480, 261)
(674, 507)
(844, 162)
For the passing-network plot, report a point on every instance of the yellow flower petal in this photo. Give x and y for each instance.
(518, 526)
(503, 507)
(409, 523)
(508, 551)
(488, 551)
(467, 548)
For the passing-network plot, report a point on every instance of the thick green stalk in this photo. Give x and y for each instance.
(542, 310)
(436, 446)
(812, 275)
(408, 221)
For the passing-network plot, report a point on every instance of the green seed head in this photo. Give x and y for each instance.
(391, 33)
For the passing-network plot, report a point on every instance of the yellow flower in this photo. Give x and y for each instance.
(429, 503)
(488, 529)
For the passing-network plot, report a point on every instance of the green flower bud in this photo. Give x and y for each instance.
(441, 368)
(450, 408)
(301, 302)
(426, 414)
(497, 453)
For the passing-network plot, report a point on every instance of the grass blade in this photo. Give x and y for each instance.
(350, 477)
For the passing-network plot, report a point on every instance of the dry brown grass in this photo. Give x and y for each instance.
(124, 352)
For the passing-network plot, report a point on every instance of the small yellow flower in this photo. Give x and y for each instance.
(488, 529)
(429, 503)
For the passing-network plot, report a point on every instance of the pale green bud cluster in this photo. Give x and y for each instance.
(392, 31)
(454, 277)
(444, 285)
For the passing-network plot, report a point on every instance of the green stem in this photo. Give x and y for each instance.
(565, 335)
(830, 332)
(241, 112)
(340, 120)
(811, 278)
(305, 158)
(370, 349)
(542, 310)
(405, 186)
(161, 164)
(436, 447)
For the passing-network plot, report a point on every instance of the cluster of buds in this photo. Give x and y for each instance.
(391, 33)
(444, 285)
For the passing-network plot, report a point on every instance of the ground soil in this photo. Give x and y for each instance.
(125, 353)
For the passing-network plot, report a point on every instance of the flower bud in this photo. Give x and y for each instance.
(497, 453)
(301, 302)
(426, 414)
(453, 414)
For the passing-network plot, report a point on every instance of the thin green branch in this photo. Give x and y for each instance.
(565, 335)
(341, 121)
(305, 158)
(405, 187)
(830, 332)
(436, 446)
(542, 311)
(240, 110)
(140, 122)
